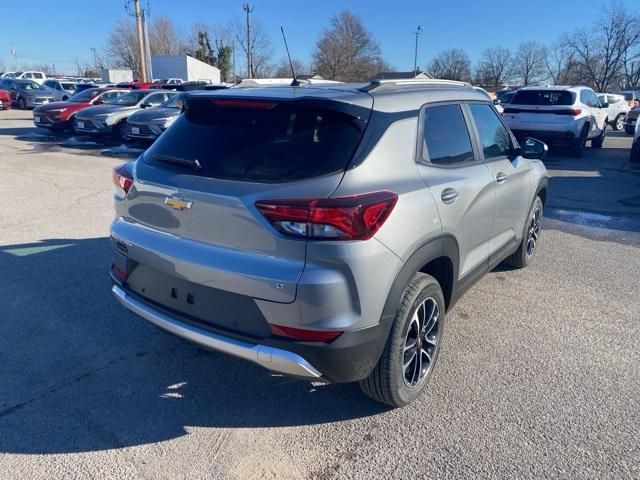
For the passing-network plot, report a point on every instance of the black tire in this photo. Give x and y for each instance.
(618, 123)
(598, 141)
(580, 142)
(388, 383)
(22, 105)
(524, 255)
(634, 157)
(120, 130)
(65, 98)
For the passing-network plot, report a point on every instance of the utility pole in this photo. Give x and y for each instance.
(147, 47)
(14, 54)
(141, 52)
(248, 9)
(415, 56)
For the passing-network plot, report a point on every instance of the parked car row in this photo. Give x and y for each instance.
(124, 112)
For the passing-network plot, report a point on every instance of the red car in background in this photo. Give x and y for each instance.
(59, 115)
(5, 100)
(137, 85)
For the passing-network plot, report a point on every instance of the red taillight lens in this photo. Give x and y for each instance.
(574, 112)
(122, 177)
(357, 217)
(304, 335)
(122, 275)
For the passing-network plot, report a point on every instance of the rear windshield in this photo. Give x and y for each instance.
(258, 142)
(543, 97)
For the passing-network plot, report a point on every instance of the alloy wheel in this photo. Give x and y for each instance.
(420, 343)
(620, 123)
(533, 232)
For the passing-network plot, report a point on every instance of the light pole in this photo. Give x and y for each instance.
(248, 9)
(415, 56)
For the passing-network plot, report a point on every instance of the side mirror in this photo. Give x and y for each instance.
(144, 105)
(533, 149)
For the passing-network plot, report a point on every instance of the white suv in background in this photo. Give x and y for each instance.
(617, 109)
(38, 77)
(569, 116)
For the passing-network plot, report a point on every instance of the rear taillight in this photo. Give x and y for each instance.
(356, 217)
(304, 335)
(122, 275)
(574, 112)
(122, 177)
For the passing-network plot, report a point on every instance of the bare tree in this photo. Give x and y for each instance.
(283, 70)
(562, 67)
(452, 64)
(529, 63)
(165, 38)
(261, 51)
(603, 50)
(495, 68)
(346, 50)
(122, 46)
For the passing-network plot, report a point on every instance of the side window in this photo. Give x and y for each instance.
(494, 137)
(109, 96)
(584, 98)
(38, 75)
(446, 138)
(48, 84)
(155, 100)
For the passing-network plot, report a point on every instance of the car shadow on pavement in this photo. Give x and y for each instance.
(15, 131)
(80, 373)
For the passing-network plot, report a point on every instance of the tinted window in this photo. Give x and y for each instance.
(543, 97)
(494, 138)
(110, 96)
(130, 99)
(174, 102)
(155, 100)
(84, 96)
(445, 136)
(260, 142)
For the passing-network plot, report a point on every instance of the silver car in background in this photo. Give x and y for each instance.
(323, 232)
(60, 89)
(151, 123)
(617, 109)
(111, 118)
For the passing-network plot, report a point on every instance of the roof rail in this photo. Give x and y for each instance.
(411, 82)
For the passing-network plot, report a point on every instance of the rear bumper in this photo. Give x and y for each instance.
(351, 357)
(271, 358)
(547, 136)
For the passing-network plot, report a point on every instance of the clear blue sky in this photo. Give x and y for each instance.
(46, 32)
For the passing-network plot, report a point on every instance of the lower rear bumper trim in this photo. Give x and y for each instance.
(271, 358)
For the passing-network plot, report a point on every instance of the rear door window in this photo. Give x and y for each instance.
(446, 139)
(543, 97)
(494, 137)
(257, 140)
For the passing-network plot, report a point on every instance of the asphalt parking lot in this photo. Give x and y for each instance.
(539, 375)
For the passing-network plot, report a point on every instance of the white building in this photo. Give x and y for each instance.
(185, 67)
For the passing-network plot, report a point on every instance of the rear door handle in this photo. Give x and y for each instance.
(449, 195)
(501, 178)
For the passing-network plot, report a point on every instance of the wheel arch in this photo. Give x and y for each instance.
(439, 258)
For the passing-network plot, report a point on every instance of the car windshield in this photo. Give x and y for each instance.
(257, 141)
(28, 85)
(174, 102)
(69, 86)
(85, 95)
(129, 99)
(543, 97)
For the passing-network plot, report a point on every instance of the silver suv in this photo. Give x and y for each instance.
(324, 231)
(570, 116)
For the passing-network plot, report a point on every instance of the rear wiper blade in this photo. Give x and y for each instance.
(185, 162)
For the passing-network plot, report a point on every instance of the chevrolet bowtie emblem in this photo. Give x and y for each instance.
(177, 203)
